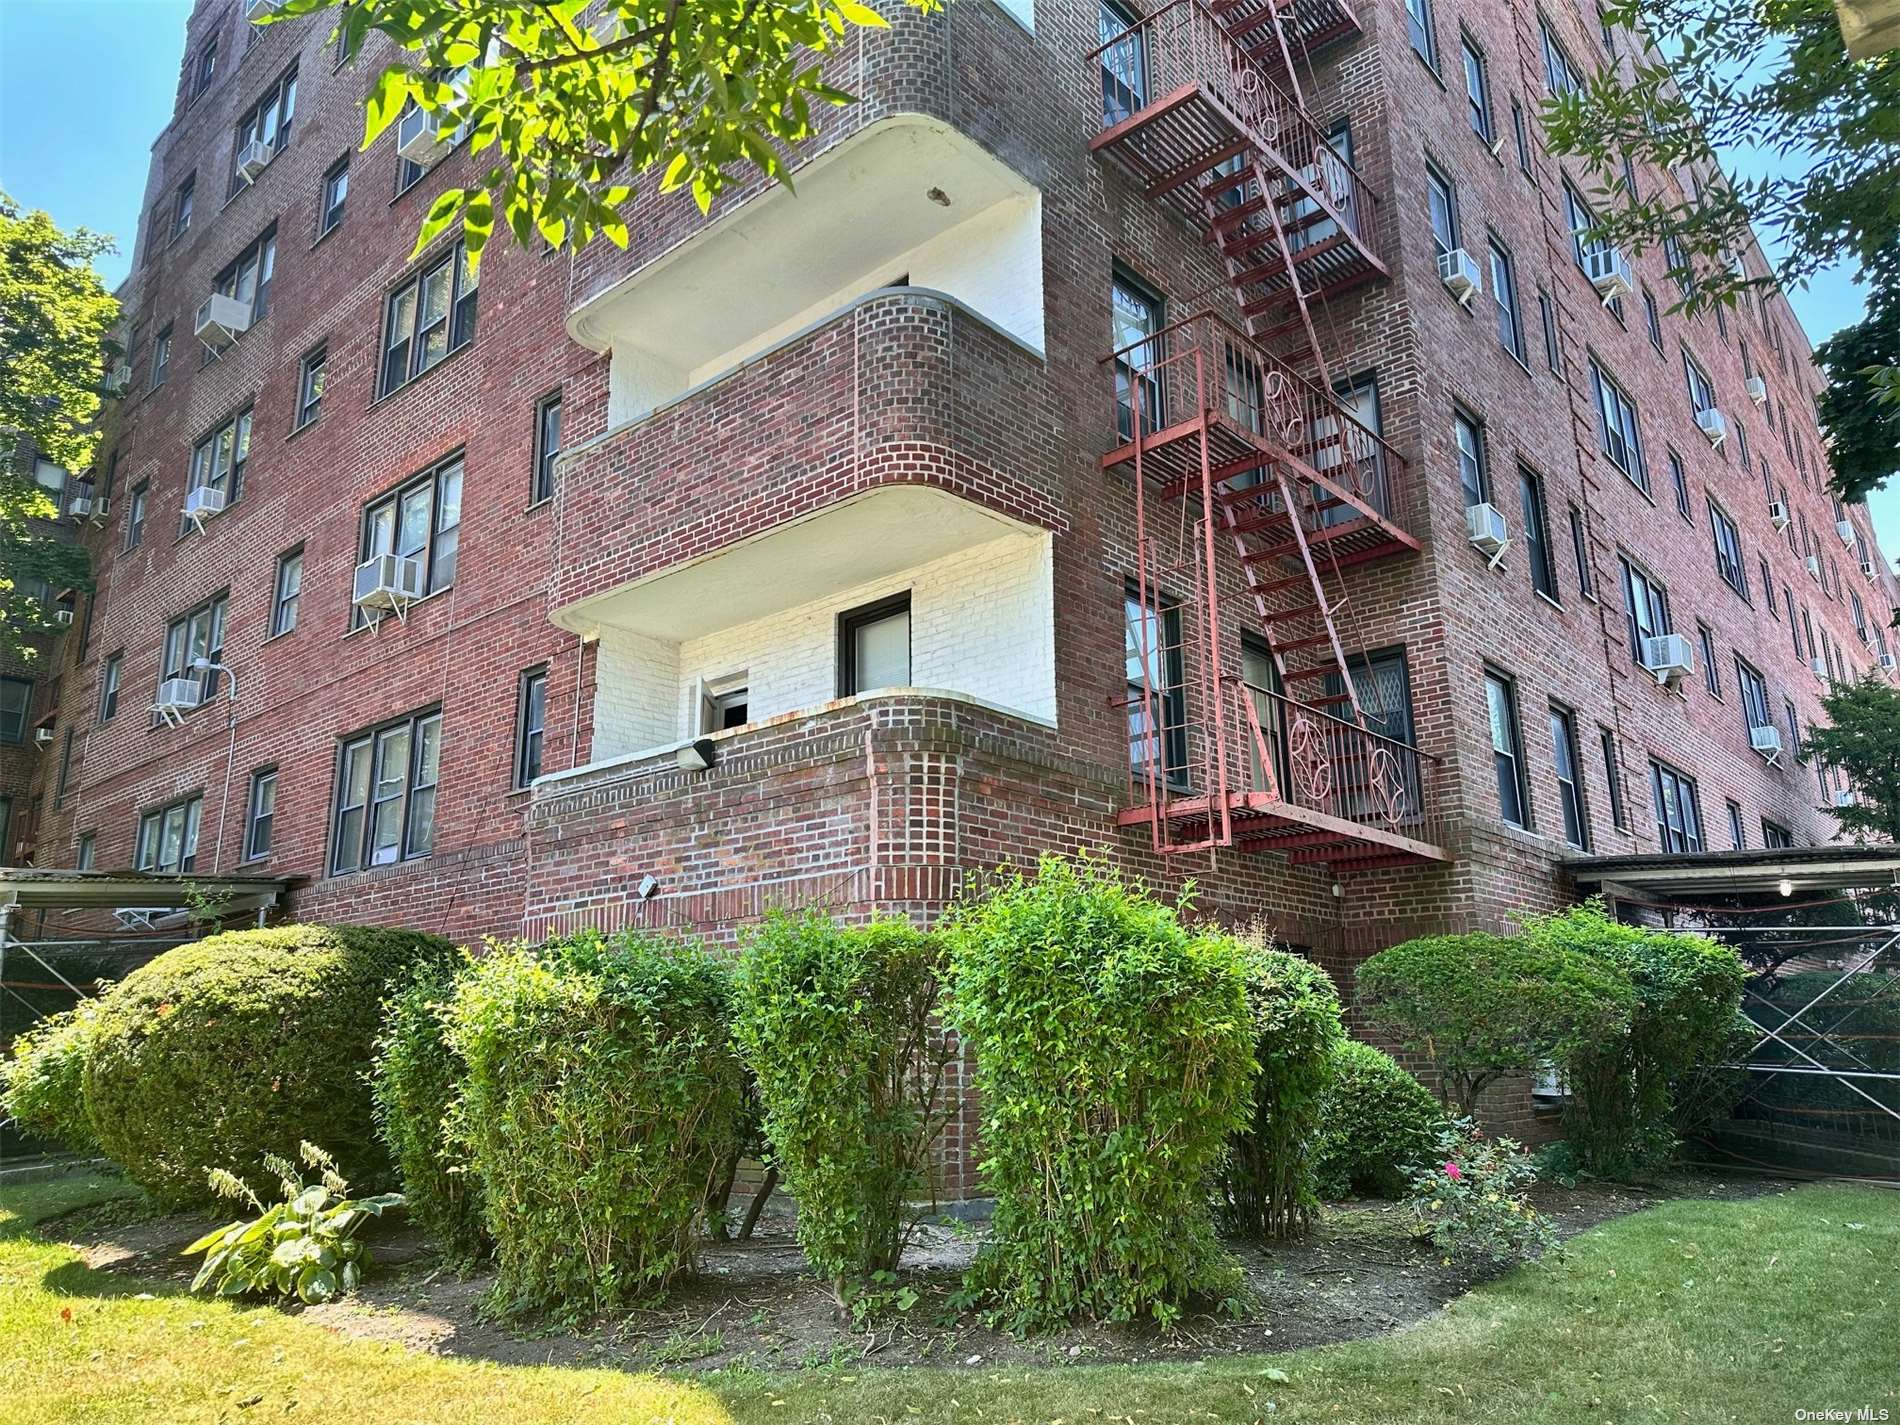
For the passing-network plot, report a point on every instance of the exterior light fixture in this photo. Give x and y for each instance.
(1786, 887)
(698, 755)
(648, 885)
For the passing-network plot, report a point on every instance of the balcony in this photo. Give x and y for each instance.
(1309, 27)
(907, 201)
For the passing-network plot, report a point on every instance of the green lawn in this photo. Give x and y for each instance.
(1696, 1311)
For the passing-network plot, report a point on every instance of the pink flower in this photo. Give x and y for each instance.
(1451, 1171)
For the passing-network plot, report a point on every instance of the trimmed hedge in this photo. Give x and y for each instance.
(600, 1100)
(1114, 1054)
(416, 1089)
(42, 1082)
(1267, 1185)
(242, 1044)
(1378, 1122)
(840, 1029)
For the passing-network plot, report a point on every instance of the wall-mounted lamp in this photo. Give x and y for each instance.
(648, 885)
(698, 755)
(1786, 887)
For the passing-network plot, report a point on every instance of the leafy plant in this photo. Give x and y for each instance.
(1114, 1052)
(1861, 737)
(1267, 1179)
(303, 1246)
(1481, 1006)
(415, 1085)
(1473, 1199)
(1375, 1123)
(599, 1101)
(43, 1079)
(840, 1029)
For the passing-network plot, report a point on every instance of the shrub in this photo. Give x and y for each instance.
(1376, 1123)
(1113, 1055)
(1685, 991)
(1267, 1180)
(416, 1085)
(840, 1029)
(599, 1101)
(219, 1052)
(1482, 1006)
(1472, 1199)
(42, 1082)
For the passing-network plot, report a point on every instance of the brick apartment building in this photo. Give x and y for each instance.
(838, 492)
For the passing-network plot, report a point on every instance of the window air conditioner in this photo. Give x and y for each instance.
(257, 9)
(1843, 796)
(1868, 568)
(416, 138)
(63, 617)
(1845, 529)
(1767, 741)
(1778, 515)
(1459, 272)
(101, 507)
(1757, 388)
(178, 695)
(1818, 665)
(1714, 425)
(388, 581)
(202, 503)
(1888, 663)
(221, 320)
(1814, 566)
(42, 737)
(253, 159)
(1670, 657)
(79, 502)
(119, 378)
(1485, 528)
(1609, 272)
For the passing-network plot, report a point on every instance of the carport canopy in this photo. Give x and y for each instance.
(1796, 872)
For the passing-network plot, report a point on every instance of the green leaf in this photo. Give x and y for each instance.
(862, 15)
(441, 213)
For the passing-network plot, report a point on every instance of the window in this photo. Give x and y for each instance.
(1563, 739)
(135, 514)
(1504, 293)
(1612, 778)
(248, 276)
(1530, 488)
(724, 703)
(1617, 433)
(1754, 694)
(218, 461)
(267, 121)
(385, 799)
(1645, 605)
(1701, 389)
(1775, 836)
(1553, 356)
(1768, 586)
(1418, 19)
(547, 445)
(259, 813)
(1860, 616)
(531, 716)
(1472, 473)
(1560, 73)
(1137, 315)
(420, 520)
(181, 208)
(109, 679)
(1152, 640)
(428, 317)
(1654, 319)
(1735, 836)
(206, 69)
(874, 646)
(1711, 672)
(1522, 134)
(1124, 63)
(16, 702)
(1728, 549)
(1578, 215)
(161, 356)
(1507, 749)
(1680, 269)
(310, 386)
(193, 636)
(1679, 477)
(1678, 812)
(336, 189)
(1580, 548)
(1477, 90)
(88, 851)
(288, 591)
(1443, 205)
(168, 837)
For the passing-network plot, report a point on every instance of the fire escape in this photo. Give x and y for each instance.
(1230, 425)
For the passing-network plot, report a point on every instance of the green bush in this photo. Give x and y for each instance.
(600, 1099)
(1474, 1198)
(42, 1082)
(416, 1088)
(1113, 1053)
(840, 1029)
(1482, 1006)
(246, 1044)
(1267, 1179)
(1685, 992)
(1378, 1122)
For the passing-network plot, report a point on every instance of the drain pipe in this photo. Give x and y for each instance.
(205, 665)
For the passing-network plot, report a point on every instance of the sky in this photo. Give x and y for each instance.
(86, 85)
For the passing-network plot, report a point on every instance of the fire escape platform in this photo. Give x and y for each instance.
(1306, 836)
(1310, 26)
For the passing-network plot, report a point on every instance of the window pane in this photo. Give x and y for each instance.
(882, 655)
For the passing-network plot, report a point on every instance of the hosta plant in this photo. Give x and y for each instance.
(305, 1246)
(1471, 1199)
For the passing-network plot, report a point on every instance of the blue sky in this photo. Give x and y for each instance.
(85, 86)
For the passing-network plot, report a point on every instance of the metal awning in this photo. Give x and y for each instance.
(143, 898)
(1787, 871)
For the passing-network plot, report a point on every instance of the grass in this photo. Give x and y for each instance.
(1698, 1310)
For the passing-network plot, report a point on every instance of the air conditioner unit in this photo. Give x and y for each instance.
(1814, 566)
(221, 320)
(1767, 741)
(1713, 424)
(1609, 272)
(1843, 796)
(1485, 528)
(178, 695)
(388, 581)
(202, 503)
(1845, 529)
(1670, 657)
(253, 159)
(416, 138)
(1818, 666)
(1459, 272)
(1888, 663)
(101, 507)
(1868, 568)
(255, 9)
(119, 378)
(42, 737)
(79, 502)
(63, 617)
(1778, 515)
(1757, 388)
